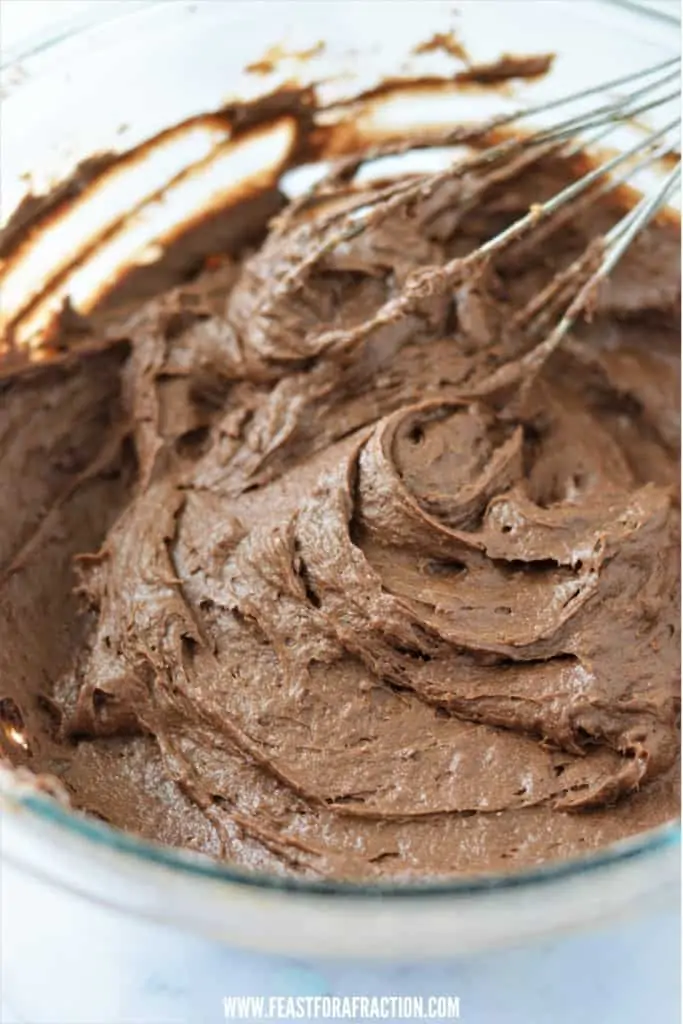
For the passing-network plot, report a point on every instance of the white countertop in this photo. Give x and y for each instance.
(140, 973)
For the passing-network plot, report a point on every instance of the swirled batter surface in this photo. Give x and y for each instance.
(379, 594)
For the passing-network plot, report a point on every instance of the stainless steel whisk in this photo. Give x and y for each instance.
(570, 292)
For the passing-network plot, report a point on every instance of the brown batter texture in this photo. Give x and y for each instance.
(346, 608)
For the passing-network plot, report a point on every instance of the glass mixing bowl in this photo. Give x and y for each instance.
(105, 85)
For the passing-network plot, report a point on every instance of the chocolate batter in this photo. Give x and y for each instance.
(345, 607)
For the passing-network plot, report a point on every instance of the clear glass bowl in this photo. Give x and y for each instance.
(107, 85)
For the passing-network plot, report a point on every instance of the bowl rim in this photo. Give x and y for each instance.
(74, 26)
(71, 27)
(52, 812)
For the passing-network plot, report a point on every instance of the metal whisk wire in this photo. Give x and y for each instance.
(572, 291)
(619, 108)
(542, 210)
(355, 219)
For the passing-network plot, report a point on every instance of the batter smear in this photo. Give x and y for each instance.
(346, 608)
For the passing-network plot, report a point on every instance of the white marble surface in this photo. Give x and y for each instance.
(67, 962)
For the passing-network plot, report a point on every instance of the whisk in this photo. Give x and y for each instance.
(570, 292)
